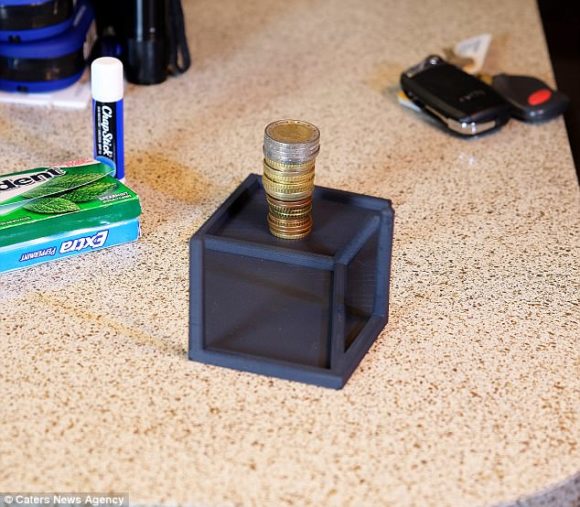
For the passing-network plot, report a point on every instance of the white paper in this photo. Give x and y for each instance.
(76, 96)
(475, 48)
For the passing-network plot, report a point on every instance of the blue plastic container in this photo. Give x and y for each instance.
(26, 20)
(48, 64)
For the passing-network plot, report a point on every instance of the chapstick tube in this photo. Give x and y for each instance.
(107, 90)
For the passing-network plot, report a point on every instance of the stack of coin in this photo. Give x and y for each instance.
(290, 149)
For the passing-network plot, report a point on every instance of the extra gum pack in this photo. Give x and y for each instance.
(53, 212)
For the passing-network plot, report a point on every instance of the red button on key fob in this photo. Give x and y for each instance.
(531, 99)
(539, 97)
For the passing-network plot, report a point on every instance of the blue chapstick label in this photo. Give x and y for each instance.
(108, 126)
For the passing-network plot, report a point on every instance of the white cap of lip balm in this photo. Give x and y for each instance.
(107, 84)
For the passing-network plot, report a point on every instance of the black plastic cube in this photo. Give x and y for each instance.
(305, 310)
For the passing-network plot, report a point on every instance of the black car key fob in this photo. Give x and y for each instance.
(531, 99)
(463, 103)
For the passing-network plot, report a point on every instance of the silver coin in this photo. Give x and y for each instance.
(291, 141)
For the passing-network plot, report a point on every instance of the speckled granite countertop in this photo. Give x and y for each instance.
(469, 397)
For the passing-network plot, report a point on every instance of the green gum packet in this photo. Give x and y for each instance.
(50, 200)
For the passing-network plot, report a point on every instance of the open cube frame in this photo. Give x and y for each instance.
(305, 310)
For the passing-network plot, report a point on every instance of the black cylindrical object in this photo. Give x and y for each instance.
(146, 51)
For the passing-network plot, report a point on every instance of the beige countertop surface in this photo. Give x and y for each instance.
(469, 397)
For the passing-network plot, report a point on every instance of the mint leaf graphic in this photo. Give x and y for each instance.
(91, 191)
(62, 184)
(52, 205)
(43, 190)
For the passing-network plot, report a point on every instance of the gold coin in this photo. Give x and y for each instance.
(283, 235)
(289, 187)
(289, 222)
(289, 204)
(282, 179)
(293, 213)
(290, 227)
(290, 233)
(280, 209)
(287, 179)
(290, 215)
(290, 197)
(280, 166)
(272, 187)
(292, 132)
